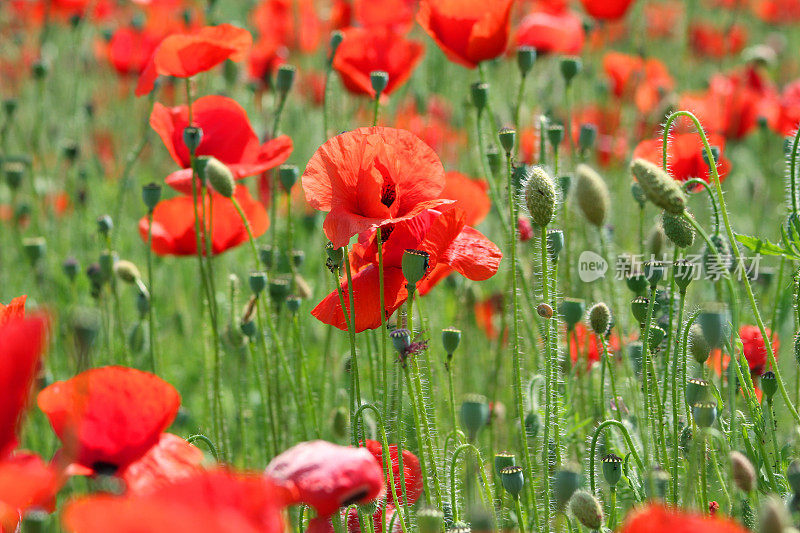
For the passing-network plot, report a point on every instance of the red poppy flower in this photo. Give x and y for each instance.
(327, 476)
(26, 482)
(777, 11)
(663, 19)
(109, 417)
(754, 348)
(207, 502)
(789, 114)
(451, 245)
(524, 229)
(173, 223)
(642, 80)
(293, 23)
(710, 41)
(397, 15)
(365, 50)
(22, 341)
(14, 309)
(656, 518)
(266, 56)
(130, 49)
(685, 156)
(227, 135)
(584, 344)
(411, 469)
(469, 195)
(467, 31)
(370, 177)
(607, 9)
(611, 144)
(170, 460)
(434, 124)
(186, 54)
(557, 33)
(487, 313)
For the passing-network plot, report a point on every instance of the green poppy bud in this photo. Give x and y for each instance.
(127, 271)
(336, 39)
(503, 460)
(267, 256)
(335, 255)
(288, 174)
(698, 346)
(586, 509)
(572, 309)
(592, 195)
(451, 337)
(219, 176)
(744, 475)
(565, 482)
(508, 138)
(278, 289)
(555, 243)
(659, 187)
(284, 79)
(638, 194)
(496, 161)
(35, 248)
(415, 265)
(570, 66)
(513, 480)
(480, 95)
(793, 476)
(340, 422)
(769, 384)
(639, 308)
(248, 328)
(714, 324)
(587, 136)
(704, 414)
(656, 335)
(526, 57)
(151, 195)
(293, 303)
(474, 414)
(540, 196)
(257, 281)
(636, 282)
(192, 136)
(697, 391)
(14, 173)
(684, 272)
(401, 339)
(677, 229)
(533, 423)
(555, 135)
(611, 466)
(773, 517)
(600, 319)
(71, 267)
(653, 272)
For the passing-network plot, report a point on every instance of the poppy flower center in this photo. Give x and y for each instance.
(103, 468)
(388, 192)
(356, 497)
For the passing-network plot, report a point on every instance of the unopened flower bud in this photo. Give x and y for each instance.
(744, 475)
(677, 229)
(600, 319)
(104, 225)
(769, 384)
(257, 282)
(572, 310)
(587, 136)
(611, 466)
(480, 95)
(592, 195)
(219, 176)
(659, 187)
(540, 196)
(698, 346)
(565, 482)
(474, 414)
(639, 308)
(586, 509)
(151, 195)
(284, 79)
(127, 271)
(570, 66)
(555, 134)
(451, 337)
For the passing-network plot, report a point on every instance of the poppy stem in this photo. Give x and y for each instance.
(150, 312)
(376, 108)
(355, 392)
(675, 397)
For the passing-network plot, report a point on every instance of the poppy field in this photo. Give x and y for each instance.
(399, 266)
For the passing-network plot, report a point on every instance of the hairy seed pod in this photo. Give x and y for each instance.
(744, 475)
(600, 319)
(677, 229)
(540, 196)
(656, 240)
(658, 186)
(591, 192)
(772, 516)
(586, 509)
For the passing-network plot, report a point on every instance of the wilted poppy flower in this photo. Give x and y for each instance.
(174, 224)
(186, 54)
(369, 177)
(685, 156)
(365, 50)
(710, 41)
(607, 9)
(14, 309)
(26, 483)
(207, 502)
(22, 341)
(642, 80)
(557, 33)
(450, 244)
(656, 518)
(467, 31)
(469, 195)
(411, 469)
(327, 476)
(109, 417)
(227, 135)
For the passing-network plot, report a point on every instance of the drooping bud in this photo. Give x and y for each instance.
(744, 475)
(219, 176)
(773, 517)
(659, 187)
(586, 509)
(127, 271)
(592, 195)
(540, 196)
(677, 229)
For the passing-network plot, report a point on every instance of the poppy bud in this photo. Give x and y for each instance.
(430, 520)
(39, 70)
(565, 482)
(35, 248)
(480, 95)
(658, 186)
(85, 325)
(711, 263)
(9, 107)
(451, 337)
(656, 241)
(267, 256)
(586, 509)
(293, 304)
(297, 257)
(142, 301)
(151, 194)
(248, 328)
(564, 185)
(219, 176)
(570, 66)
(284, 79)
(677, 229)
(714, 151)
(704, 414)
(698, 346)
(636, 282)
(653, 272)
(192, 136)
(415, 266)
(257, 281)
(744, 475)
(600, 319)
(494, 159)
(127, 271)
(288, 175)
(587, 137)
(336, 39)
(401, 339)
(555, 134)
(335, 255)
(656, 335)
(683, 272)
(71, 268)
(526, 57)
(533, 423)
(714, 324)
(136, 338)
(71, 151)
(555, 243)
(697, 391)
(540, 196)
(508, 138)
(544, 310)
(773, 517)
(474, 414)
(104, 225)
(639, 308)
(638, 194)
(572, 309)
(769, 384)
(14, 172)
(793, 476)
(591, 192)
(503, 460)
(611, 466)
(379, 80)
(107, 261)
(513, 480)
(339, 422)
